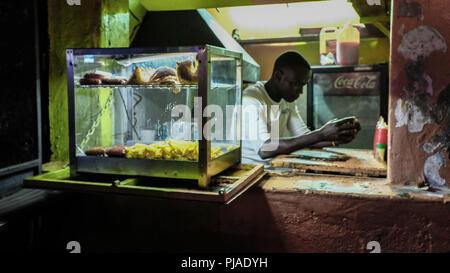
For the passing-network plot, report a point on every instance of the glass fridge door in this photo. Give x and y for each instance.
(337, 94)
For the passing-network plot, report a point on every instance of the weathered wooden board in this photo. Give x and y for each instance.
(225, 187)
(359, 162)
(325, 183)
(275, 171)
(320, 155)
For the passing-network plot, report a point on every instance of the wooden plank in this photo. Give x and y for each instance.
(248, 175)
(225, 179)
(231, 183)
(273, 171)
(374, 19)
(337, 184)
(318, 154)
(360, 162)
(247, 186)
(383, 29)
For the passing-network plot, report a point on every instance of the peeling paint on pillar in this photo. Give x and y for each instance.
(431, 170)
(67, 29)
(410, 8)
(115, 24)
(419, 121)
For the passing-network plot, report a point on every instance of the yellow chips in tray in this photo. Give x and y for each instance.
(215, 152)
(171, 149)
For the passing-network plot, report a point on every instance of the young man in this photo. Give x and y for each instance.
(277, 127)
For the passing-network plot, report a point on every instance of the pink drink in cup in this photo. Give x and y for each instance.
(347, 48)
(347, 53)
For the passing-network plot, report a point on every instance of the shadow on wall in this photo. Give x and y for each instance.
(261, 220)
(248, 225)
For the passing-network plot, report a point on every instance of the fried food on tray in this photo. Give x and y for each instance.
(114, 81)
(116, 151)
(97, 79)
(94, 76)
(99, 151)
(169, 150)
(215, 152)
(166, 80)
(141, 76)
(186, 73)
(164, 75)
(90, 81)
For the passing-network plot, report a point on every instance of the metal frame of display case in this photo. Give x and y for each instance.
(201, 170)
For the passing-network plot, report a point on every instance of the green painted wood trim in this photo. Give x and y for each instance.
(374, 19)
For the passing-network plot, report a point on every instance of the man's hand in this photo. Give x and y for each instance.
(357, 124)
(345, 140)
(340, 130)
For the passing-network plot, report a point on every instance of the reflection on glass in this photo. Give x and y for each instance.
(123, 105)
(142, 105)
(338, 95)
(224, 105)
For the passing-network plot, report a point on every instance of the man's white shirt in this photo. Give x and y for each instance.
(257, 123)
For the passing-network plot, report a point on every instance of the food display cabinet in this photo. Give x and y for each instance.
(160, 122)
(159, 112)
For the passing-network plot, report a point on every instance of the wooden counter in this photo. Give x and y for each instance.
(339, 171)
(337, 160)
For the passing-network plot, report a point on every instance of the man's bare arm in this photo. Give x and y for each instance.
(322, 144)
(271, 148)
(339, 131)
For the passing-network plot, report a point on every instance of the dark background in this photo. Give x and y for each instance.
(19, 74)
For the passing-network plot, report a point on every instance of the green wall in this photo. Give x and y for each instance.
(93, 24)
(371, 51)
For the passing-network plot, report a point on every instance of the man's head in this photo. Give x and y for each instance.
(290, 73)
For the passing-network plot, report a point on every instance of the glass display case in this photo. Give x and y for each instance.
(160, 112)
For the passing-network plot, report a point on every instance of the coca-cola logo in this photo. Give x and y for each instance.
(362, 82)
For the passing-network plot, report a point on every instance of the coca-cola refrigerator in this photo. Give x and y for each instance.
(340, 91)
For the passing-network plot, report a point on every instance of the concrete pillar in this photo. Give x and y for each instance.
(92, 24)
(419, 115)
